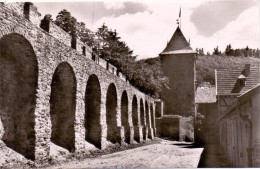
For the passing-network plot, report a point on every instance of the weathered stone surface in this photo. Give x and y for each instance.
(35, 122)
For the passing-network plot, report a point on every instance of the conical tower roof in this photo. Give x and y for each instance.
(178, 44)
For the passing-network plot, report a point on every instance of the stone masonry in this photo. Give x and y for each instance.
(53, 93)
(178, 64)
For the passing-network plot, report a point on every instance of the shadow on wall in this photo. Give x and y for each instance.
(63, 106)
(92, 115)
(19, 81)
(211, 158)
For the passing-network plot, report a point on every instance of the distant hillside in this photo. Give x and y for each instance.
(206, 65)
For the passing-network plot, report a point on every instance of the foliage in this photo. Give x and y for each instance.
(146, 74)
(67, 22)
(112, 49)
(108, 45)
(200, 51)
(205, 68)
(216, 51)
(149, 77)
(206, 65)
(85, 34)
(245, 52)
(229, 51)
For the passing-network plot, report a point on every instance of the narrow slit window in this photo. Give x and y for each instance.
(26, 10)
(84, 50)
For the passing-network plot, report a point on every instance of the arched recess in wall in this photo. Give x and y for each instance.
(147, 116)
(18, 84)
(142, 117)
(152, 117)
(92, 111)
(135, 118)
(124, 116)
(113, 134)
(63, 106)
(134, 111)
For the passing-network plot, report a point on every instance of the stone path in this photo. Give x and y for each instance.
(167, 154)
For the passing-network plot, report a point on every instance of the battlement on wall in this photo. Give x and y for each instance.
(29, 11)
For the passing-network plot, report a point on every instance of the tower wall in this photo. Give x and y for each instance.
(180, 69)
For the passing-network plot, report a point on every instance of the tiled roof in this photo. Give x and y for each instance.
(205, 95)
(178, 44)
(227, 79)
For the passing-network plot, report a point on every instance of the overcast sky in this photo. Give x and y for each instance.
(146, 26)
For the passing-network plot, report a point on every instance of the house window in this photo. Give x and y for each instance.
(242, 82)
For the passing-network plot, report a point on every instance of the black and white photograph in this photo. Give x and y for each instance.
(129, 84)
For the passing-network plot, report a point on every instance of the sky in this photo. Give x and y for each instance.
(147, 25)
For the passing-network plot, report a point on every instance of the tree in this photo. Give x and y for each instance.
(85, 35)
(216, 51)
(257, 53)
(229, 51)
(201, 51)
(67, 22)
(112, 48)
(237, 53)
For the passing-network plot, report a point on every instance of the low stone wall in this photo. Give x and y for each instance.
(168, 127)
(187, 129)
(175, 127)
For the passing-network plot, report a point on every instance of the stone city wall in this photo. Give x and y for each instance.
(68, 91)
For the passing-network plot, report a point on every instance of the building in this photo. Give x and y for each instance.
(207, 114)
(178, 64)
(239, 115)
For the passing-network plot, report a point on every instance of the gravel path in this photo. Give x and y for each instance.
(166, 154)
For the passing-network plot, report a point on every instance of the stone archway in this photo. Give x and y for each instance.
(18, 84)
(113, 134)
(124, 116)
(152, 118)
(135, 118)
(63, 106)
(92, 111)
(147, 117)
(142, 118)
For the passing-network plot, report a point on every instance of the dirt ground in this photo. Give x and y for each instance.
(165, 154)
